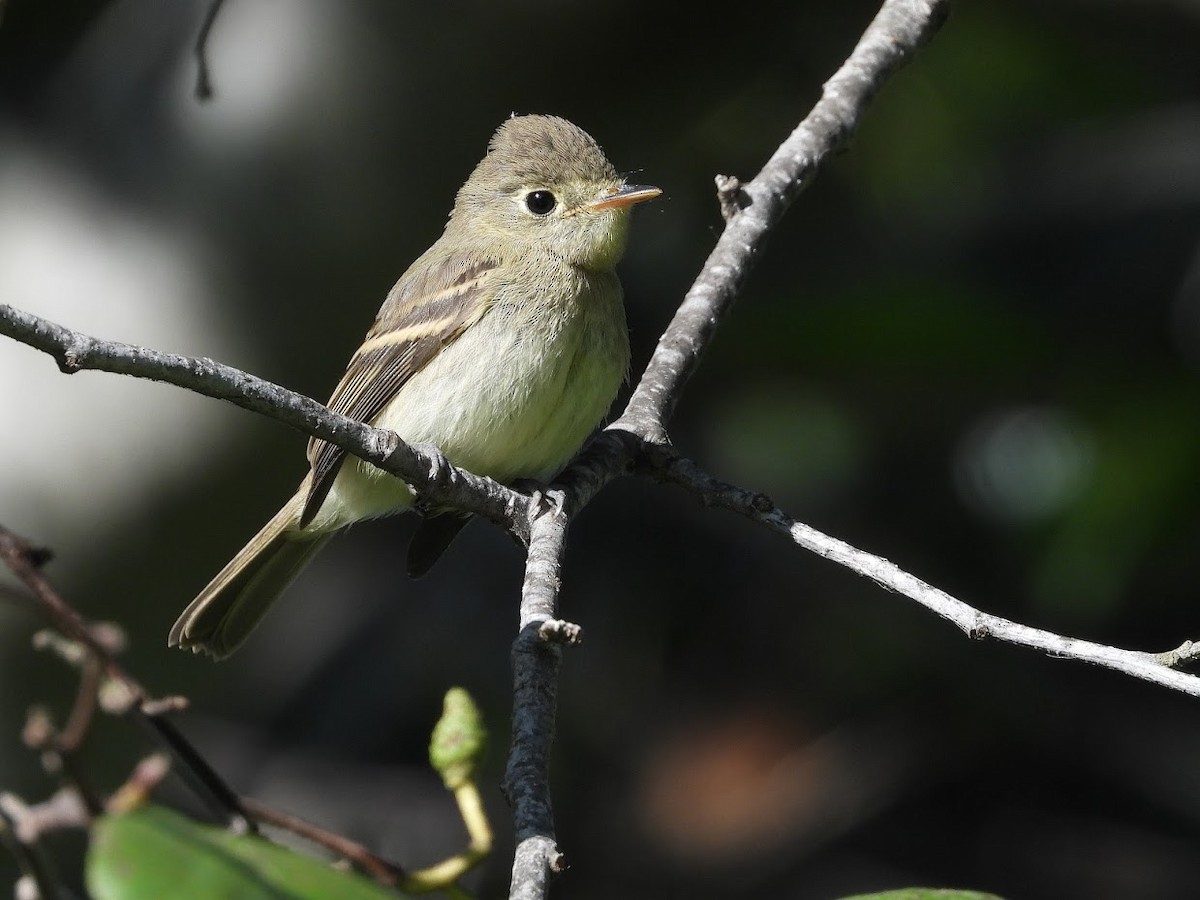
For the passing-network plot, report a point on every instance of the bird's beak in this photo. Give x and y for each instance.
(625, 195)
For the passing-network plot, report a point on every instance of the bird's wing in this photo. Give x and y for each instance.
(427, 310)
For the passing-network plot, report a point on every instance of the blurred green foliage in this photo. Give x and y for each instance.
(154, 852)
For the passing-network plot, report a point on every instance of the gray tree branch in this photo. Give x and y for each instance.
(1158, 668)
(896, 33)
(430, 474)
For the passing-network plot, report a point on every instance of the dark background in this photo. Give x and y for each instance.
(971, 348)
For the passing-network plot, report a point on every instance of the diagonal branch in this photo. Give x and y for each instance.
(204, 89)
(896, 33)
(422, 467)
(1153, 667)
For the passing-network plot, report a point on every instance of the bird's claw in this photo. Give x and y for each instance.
(541, 498)
(550, 500)
(438, 464)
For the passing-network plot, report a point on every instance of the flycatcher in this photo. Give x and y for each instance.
(504, 345)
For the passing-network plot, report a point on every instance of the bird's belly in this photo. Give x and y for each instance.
(503, 402)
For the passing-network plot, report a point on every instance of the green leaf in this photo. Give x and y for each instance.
(154, 852)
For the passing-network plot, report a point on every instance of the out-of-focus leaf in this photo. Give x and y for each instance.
(797, 443)
(154, 852)
(1139, 491)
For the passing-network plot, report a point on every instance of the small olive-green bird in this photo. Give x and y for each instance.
(504, 345)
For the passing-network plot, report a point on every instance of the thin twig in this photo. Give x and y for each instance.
(59, 748)
(897, 32)
(17, 554)
(21, 557)
(70, 738)
(383, 871)
(59, 753)
(1155, 668)
(204, 90)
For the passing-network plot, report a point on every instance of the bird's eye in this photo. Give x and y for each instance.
(540, 203)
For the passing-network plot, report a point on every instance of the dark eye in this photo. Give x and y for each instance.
(540, 203)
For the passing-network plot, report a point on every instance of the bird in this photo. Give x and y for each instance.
(503, 345)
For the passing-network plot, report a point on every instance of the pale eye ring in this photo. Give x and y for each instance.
(540, 203)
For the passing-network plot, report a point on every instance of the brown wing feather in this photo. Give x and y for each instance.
(424, 313)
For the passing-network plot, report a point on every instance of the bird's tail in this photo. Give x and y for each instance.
(226, 611)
